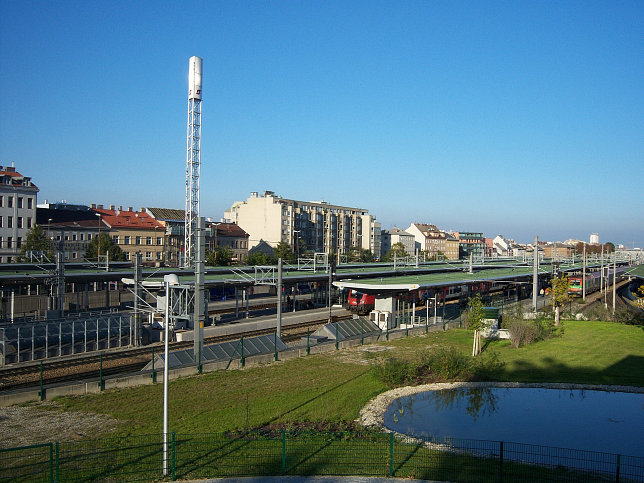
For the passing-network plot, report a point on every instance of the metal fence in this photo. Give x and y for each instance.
(311, 453)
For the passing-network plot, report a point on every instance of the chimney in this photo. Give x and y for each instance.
(142, 210)
(100, 207)
(120, 208)
(129, 208)
(92, 206)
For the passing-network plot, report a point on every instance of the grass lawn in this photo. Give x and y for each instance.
(333, 387)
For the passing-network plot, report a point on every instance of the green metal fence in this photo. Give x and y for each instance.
(140, 458)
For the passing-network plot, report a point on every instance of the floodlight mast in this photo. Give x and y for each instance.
(193, 159)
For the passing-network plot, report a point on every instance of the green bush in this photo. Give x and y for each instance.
(436, 365)
(394, 372)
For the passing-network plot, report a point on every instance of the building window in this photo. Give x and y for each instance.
(9, 221)
(126, 240)
(74, 255)
(89, 236)
(148, 255)
(73, 236)
(30, 203)
(1, 218)
(82, 236)
(127, 256)
(19, 201)
(1, 201)
(159, 240)
(9, 242)
(10, 201)
(158, 255)
(19, 241)
(115, 239)
(29, 222)
(148, 240)
(20, 222)
(138, 240)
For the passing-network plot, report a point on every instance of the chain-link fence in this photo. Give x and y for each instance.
(280, 452)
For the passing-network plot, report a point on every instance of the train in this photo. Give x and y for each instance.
(593, 281)
(362, 303)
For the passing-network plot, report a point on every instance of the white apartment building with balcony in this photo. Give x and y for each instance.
(315, 226)
(18, 200)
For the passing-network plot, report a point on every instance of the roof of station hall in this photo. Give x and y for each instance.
(637, 271)
(437, 280)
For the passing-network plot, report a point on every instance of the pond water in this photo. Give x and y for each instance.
(610, 422)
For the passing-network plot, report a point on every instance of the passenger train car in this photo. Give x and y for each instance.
(593, 281)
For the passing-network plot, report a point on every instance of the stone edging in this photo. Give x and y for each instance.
(372, 414)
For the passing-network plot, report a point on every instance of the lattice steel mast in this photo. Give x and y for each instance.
(193, 159)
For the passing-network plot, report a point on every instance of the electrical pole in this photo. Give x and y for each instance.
(199, 315)
(279, 297)
(193, 159)
(535, 273)
(583, 276)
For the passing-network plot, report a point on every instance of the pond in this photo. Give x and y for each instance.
(610, 422)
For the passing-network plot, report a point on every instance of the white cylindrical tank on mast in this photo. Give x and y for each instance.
(194, 78)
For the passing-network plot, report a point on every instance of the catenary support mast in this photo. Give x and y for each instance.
(193, 159)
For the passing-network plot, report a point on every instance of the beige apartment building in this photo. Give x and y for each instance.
(135, 231)
(305, 225)
(434, 241)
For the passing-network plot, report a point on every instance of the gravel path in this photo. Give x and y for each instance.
(45, 423)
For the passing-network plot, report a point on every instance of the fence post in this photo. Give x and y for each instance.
(100, 371)
(172, 457)
(336, 336)
(391, 455)
(308, 346)
(283, 451)
(51, 462)
(501, 462)
(57, 462)
(242, 361)
(275, 345)
(153, 375)
(41, 393)
(617, 469)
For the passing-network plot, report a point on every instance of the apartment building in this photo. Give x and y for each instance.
(433, 241)
(316, 226)
(135, 231)
(471, 242)
(391, 237)
(69, 227)
(18, 199)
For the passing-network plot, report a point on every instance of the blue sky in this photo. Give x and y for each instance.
(518, 118)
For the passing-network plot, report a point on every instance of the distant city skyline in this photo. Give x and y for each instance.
(518, 119)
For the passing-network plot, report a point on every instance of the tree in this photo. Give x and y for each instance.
(475, 321)
(285, 252)
(107, 247)
(259, 258)
(397, 250)
(36, 241)
(220, 257)
(362, 255)
(559, 295)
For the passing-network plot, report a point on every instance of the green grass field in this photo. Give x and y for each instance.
(330, 389)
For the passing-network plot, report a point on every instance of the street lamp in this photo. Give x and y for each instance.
(168, 280)
(100, 217)
(297, 243)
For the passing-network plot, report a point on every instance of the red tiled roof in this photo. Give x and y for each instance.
(11, 172)
(230, 229)
(128, 219)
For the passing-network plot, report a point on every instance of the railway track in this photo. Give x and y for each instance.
(124, 361)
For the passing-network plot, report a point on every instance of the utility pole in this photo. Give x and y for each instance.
(614, 280)
(535, 273)
(137, 297)
(193, 159)
(199, 315)
(583, 276)
(279, 297)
